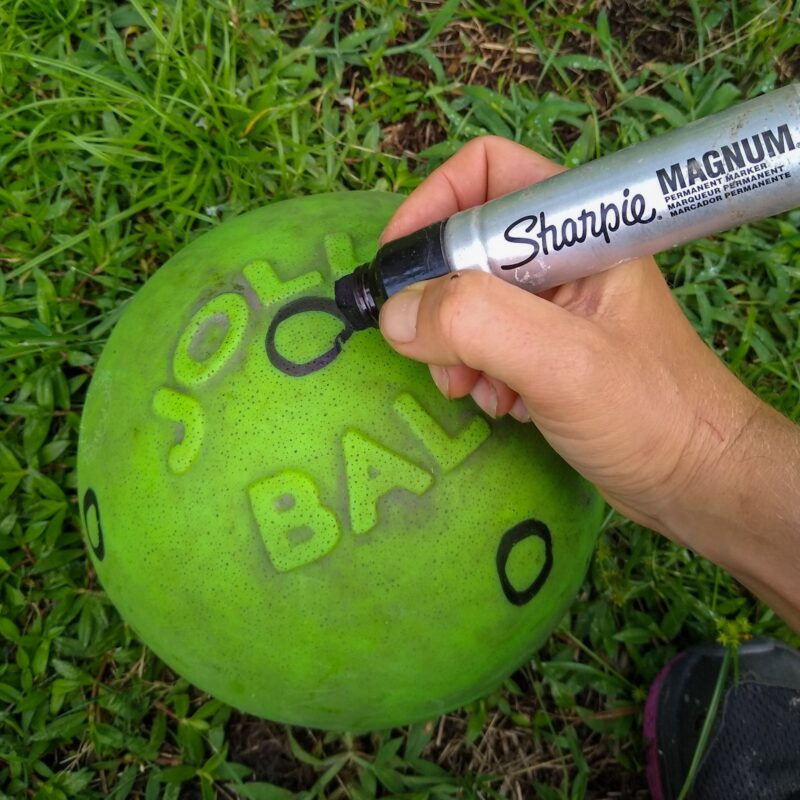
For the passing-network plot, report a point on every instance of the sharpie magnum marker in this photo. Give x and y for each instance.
(737, 166)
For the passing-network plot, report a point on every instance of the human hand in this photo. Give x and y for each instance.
(607, 367)
(613, 375)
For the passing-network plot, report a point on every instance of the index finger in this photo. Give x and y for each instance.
(485, 168)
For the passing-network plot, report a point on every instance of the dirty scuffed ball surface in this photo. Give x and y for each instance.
(291, 515)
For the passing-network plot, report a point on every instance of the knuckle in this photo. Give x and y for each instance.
(480, 144)
(484, 139)
(591, 356)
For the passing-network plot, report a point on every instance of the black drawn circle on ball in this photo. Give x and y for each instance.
(301, 306)
(90, 501)
(512, 537)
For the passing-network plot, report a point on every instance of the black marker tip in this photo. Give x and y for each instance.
(355, 301)
(397, 264)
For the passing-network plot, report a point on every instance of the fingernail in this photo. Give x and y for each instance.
(399, 315)
(519, 411)
(441, 378)
(485, 395)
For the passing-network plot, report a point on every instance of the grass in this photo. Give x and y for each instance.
(128, 129)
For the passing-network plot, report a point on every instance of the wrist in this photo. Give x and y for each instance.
(713, 486)
(742, 510)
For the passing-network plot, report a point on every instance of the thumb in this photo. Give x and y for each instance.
(478, 320)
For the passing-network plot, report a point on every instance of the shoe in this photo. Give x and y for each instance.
(753, 752)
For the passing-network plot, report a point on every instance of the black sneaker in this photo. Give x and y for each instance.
(753, 752)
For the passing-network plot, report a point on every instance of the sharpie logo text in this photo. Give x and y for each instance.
(540, 236)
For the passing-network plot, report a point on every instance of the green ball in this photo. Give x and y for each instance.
(290, 514)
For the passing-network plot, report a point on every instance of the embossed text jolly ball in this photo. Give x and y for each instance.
(290, 514)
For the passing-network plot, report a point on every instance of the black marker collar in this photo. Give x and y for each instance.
(416, 257)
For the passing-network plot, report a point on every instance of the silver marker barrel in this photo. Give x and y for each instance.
(733, 167)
